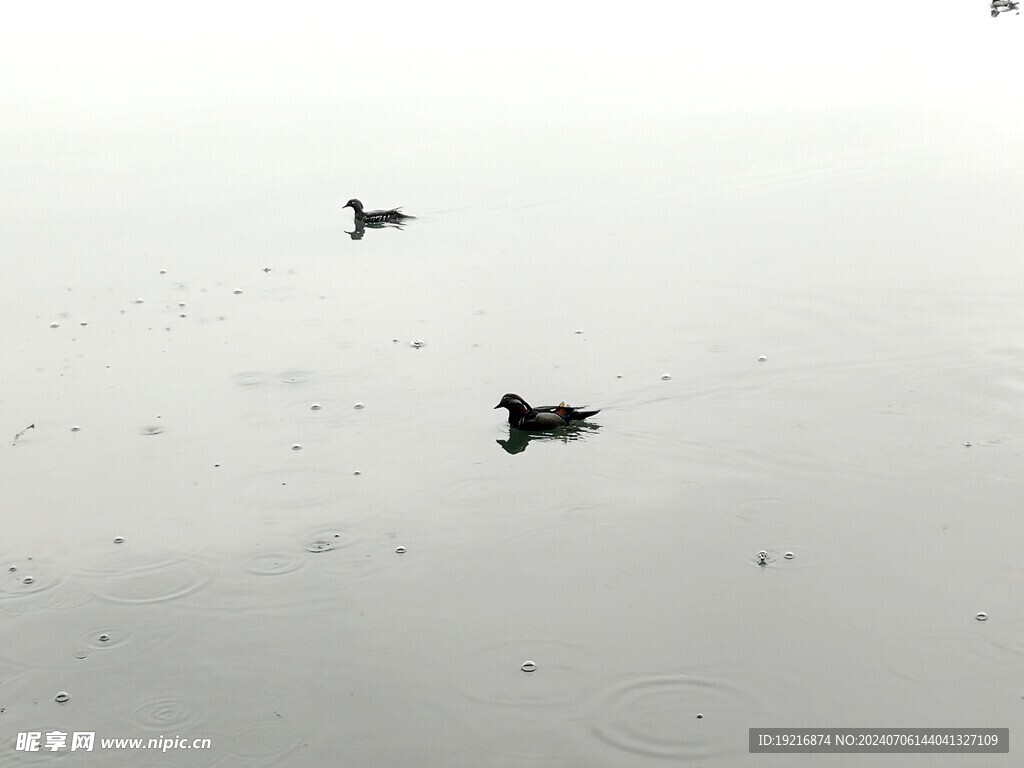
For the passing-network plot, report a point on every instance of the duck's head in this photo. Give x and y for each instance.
(514, 403)
(354, 204)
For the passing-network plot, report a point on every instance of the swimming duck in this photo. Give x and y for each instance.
(376, 217)
(522, 415)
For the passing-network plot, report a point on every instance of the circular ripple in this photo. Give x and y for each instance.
(962, 657)
(167, 714)
(656, 715)
(328, 541)
(273, 563)
(265, 741)
(28, 584)
(494, 674)
(136, 583)
(296, 377)
(251, 378)
(105, 638)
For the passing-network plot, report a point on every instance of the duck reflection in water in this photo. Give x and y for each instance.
(360, 228)
(518, 440)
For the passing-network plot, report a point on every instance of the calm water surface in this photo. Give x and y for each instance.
(834, 292)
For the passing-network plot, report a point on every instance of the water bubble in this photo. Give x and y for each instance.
(578, 330)
(61, 697)
(28, 580)
(84, 323)
(182, 315)
(394, 341)
(163, 271)
(789, 555)
(967, 444)
(666, 376)
(119, 539)
(982, 616)
(618, 375)
(104, 638)
(13, 568)
(400, 550)
(296, 447)
(237, 291)
(357, 473)
(181, 303)
(762, 359)
(80, 655)
(55, 325)
(358, 406)
(315, 407)
(138, 301)
(418, 343)
(529, 666)
(76, 429)
(700, 716)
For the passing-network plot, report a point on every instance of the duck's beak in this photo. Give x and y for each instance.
(499, 405)
(347, 205)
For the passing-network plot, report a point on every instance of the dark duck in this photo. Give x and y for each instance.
(522, 415)
(389, 216)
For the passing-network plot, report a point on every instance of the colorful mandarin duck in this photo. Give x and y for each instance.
(522, 415)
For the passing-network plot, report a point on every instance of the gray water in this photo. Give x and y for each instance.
(784, 261)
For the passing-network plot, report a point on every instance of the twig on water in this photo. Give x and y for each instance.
(26, 429)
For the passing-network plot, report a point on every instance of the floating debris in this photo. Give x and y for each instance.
(700, 716)
(26, 429)
(237, 291)
(1004, 6)
(417, 344)
(529, 666)
(76, 428)
(266, 270)
(578, 330)
(55, 325)
(357, 473)
(762, 557)
(163, 271)
(968, 444)
(138, 301)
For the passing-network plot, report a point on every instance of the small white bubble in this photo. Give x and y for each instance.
(119, 539)
(315, 407)
(666, 376)
(762, 359)
(181, 303)
(163, 271)
(578, 330)
(358, 406)
(296, 447)
(237, 291)
(982, 616)
(789, 555)
(61, 697)
(357, 473)
(55, 325)
(103, 638)
(182, 315)
(418, 343)
(84, 323)
(700, 716)
(76, 429)
(28, 580)
(400, 550)
(967, 444)
(529, 666)
(618, 375)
